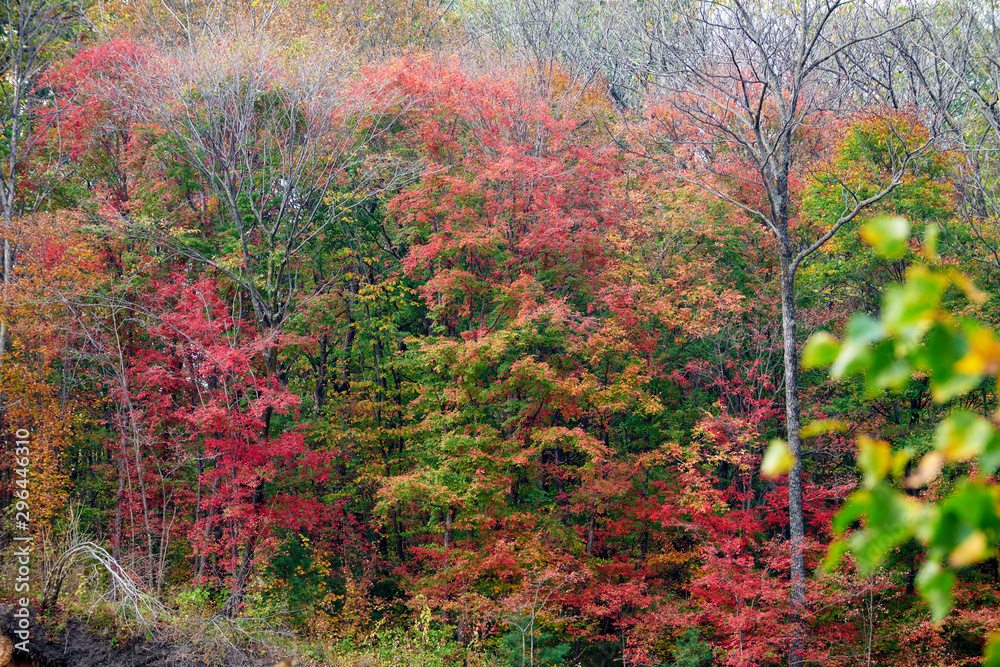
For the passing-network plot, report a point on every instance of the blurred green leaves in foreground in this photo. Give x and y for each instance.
(917, 336)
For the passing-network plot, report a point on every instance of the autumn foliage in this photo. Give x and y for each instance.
(417, 344)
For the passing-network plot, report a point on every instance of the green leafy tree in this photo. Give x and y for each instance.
(691, 651)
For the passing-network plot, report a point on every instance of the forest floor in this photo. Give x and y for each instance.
(73, 644)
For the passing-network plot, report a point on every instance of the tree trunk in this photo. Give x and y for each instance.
(116, 544)
(796, 524)
(590, 533)
(397, 530)
(319, 391)
(8, 270)
(447, 528)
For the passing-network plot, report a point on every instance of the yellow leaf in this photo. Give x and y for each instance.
(778, 460)
(929, 468)
(964, 283)
(972, 550)
(822, 426)
(888, 235)
(899, 462)
(963, 435)
(874, 459)
(931, 234)
(983, 355)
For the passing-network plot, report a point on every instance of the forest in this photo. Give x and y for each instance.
(499, 333)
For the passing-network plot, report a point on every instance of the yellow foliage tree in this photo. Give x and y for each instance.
(55, 269)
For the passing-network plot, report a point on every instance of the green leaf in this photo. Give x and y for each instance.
(992, 657)
(935, 584)
(854, 357)
(989, 460)
(971, 506)
(855, 353)
(899, 462)
(834, 555)
(874, 459)
(856, 506)
(864, 329)
(940, 354)
(886, 370)
(889, 521)
(820, 350)
(888, 235)
(908, 310)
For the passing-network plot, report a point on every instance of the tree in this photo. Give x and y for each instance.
(745, 83)
(846, 271)
(948, 53)
(181, 23)
(56, 266)
(30, 31)
(370, 30)
(194, 408)
(552, 39)
(274, 146)
(519, 385)
(556, 302)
